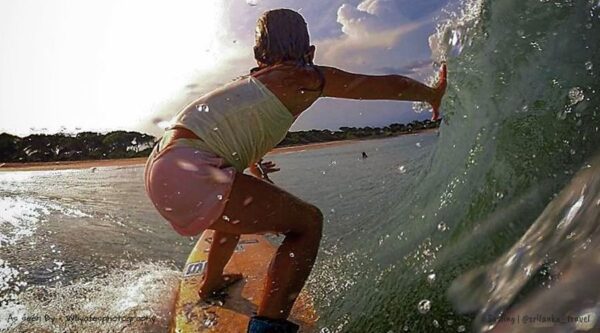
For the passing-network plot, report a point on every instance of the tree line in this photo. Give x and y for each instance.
(128, 144)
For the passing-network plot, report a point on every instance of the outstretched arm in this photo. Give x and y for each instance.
(343, 84)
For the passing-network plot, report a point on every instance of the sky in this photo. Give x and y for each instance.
(103, 65)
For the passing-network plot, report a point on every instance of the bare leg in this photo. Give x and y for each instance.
(261, 207)
(221, 249)
(287, 274)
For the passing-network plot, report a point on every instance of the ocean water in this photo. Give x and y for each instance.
(493, 218)
(88, 242)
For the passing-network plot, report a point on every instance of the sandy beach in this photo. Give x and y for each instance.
(66, 165)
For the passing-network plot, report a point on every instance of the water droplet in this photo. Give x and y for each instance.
(589, 65)
(219, 176)
(292, 254)
(424, 306)
(202, 108)
(248, 201)
(223, 240)
(235, 221)
(442, 226)
(461, 328)
(252, 2)
(575, 95)
(168, 209)
(220, 197)
(536, 46)
(436, 323)
(186, 165)
(418, 144)
(402, 169)
(215, 129)
(226, 218)
(431, 278)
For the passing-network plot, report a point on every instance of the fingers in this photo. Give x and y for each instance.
(440, 88)
(270, 170)
(268, 167)
(436, 114)
(442, 77)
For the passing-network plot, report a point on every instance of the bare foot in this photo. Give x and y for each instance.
(211, 289)
(440, 90)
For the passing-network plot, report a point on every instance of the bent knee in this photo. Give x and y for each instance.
(313, 222)
(316, 215)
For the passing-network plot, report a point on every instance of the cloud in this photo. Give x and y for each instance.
(413, 67)
(375, 35)
(354, 50)
(371, 17)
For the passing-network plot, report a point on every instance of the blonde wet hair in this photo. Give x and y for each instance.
(282, 35)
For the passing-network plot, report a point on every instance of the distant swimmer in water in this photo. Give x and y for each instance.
(364, 155)
(195, 175)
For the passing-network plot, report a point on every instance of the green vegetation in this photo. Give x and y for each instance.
(76, 147)
(124, 144)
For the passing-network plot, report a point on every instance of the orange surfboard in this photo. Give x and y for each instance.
(251, 258)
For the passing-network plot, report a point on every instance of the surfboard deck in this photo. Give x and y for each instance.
(251, 258)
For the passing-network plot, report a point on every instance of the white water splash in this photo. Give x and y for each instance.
(134, 300)
(21, 215)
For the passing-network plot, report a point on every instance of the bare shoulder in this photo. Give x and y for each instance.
(297, 87)
(290, 76)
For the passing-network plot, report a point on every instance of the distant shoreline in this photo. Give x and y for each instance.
(125, 162)
(136, 161)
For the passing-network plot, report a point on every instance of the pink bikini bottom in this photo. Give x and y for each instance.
(189, 186)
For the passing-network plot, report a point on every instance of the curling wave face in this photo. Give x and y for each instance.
(521, 118)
